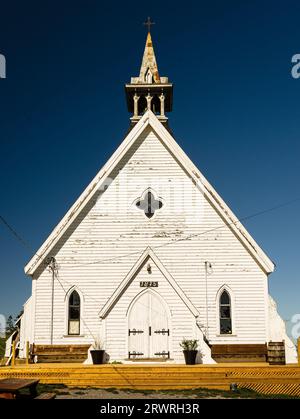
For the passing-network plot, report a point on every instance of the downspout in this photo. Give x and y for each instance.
(207, 266)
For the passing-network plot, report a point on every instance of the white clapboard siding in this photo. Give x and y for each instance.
(182, 323)
(114, 230)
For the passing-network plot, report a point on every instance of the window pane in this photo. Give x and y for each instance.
(225, 326)
(74, 327)
(74, 299)
(225, 312)
(74, 313)
(149, 204)
(224, 298)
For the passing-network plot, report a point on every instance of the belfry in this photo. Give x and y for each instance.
(149, 91)
(150, 264)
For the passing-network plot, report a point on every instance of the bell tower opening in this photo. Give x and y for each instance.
(149, 91)
(148, 77)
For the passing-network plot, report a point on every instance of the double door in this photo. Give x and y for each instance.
(148, 333)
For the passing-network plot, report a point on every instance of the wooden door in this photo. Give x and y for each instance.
(148, 333)
(159, 328)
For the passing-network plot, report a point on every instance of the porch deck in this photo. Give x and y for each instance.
(281, 379)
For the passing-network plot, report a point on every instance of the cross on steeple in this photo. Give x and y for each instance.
(149, 92)
(149, 23)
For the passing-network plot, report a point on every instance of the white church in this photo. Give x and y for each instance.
(149, 255)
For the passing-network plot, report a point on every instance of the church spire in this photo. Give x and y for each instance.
(149, 70)
(149, 90)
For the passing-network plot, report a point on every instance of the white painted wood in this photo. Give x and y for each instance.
(277, 333)
(147, 254)
(138, 327)
(103, 245)
(149, 120)
(148, 335)
(26, 329)
(160, 328)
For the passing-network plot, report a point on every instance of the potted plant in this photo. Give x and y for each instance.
(97, 353)
(190, 351)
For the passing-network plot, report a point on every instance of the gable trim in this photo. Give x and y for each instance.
(148, 253)
(84, 198)
(149, 119)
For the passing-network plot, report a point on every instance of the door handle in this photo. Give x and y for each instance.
(149, 330)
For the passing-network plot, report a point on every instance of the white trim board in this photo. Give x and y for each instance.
(149, 119)
(148, 253)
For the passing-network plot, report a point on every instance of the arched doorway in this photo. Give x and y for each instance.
(148, 328)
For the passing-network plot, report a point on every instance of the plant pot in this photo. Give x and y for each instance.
(190, 357)
(97, 356)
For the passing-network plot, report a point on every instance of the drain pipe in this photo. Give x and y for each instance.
(207, 266)
(52, 267)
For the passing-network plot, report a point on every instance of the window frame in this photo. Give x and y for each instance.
(226, 306)
(145, 195)
(69, 306)
(232, 312)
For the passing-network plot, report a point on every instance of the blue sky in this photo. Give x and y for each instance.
(63, 112)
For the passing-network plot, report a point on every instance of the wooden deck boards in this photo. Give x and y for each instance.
(257, 376)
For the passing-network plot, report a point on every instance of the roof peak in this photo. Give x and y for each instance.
(96, 185)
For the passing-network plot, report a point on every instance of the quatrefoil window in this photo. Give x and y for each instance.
(149, 204)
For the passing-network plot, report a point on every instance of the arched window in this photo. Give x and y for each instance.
(74, 314)
(225, 314)
(148, 76)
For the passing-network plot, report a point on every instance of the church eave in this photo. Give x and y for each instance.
(147, 254)
(216, 201)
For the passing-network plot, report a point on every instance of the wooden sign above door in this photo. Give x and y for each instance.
(149, 284)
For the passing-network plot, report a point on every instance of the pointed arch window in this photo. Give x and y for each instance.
(148, 76)
(225, 313)
(74, 314)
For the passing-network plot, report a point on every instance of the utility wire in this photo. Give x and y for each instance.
(75, 265)
(191, 235)
(26, 244)
(13, 231)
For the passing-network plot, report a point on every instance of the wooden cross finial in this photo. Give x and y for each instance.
(149, 23)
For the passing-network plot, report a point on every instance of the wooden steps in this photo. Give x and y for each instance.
(276, 353)
(272, 379)
(239, 353)
(60, 353)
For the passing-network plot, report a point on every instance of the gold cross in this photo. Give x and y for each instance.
(149, 23)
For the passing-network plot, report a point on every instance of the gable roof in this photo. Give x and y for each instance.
(149, 119)
(148, 253)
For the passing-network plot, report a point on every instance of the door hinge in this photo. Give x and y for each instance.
(163, 354)
(133, 354)
(163, 332)
(134, 332)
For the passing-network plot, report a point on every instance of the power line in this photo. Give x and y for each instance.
(191, 235)
(75, 265)
(13, 231)
(21, 240)
(56, 275)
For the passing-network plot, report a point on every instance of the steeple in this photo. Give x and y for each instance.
(149, 70)
(149, 90)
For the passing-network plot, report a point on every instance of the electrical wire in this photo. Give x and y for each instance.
(75, 265)
(256, 214)
(13, 231)
(26, 244)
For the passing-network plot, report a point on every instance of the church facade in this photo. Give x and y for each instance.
(150, 255)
